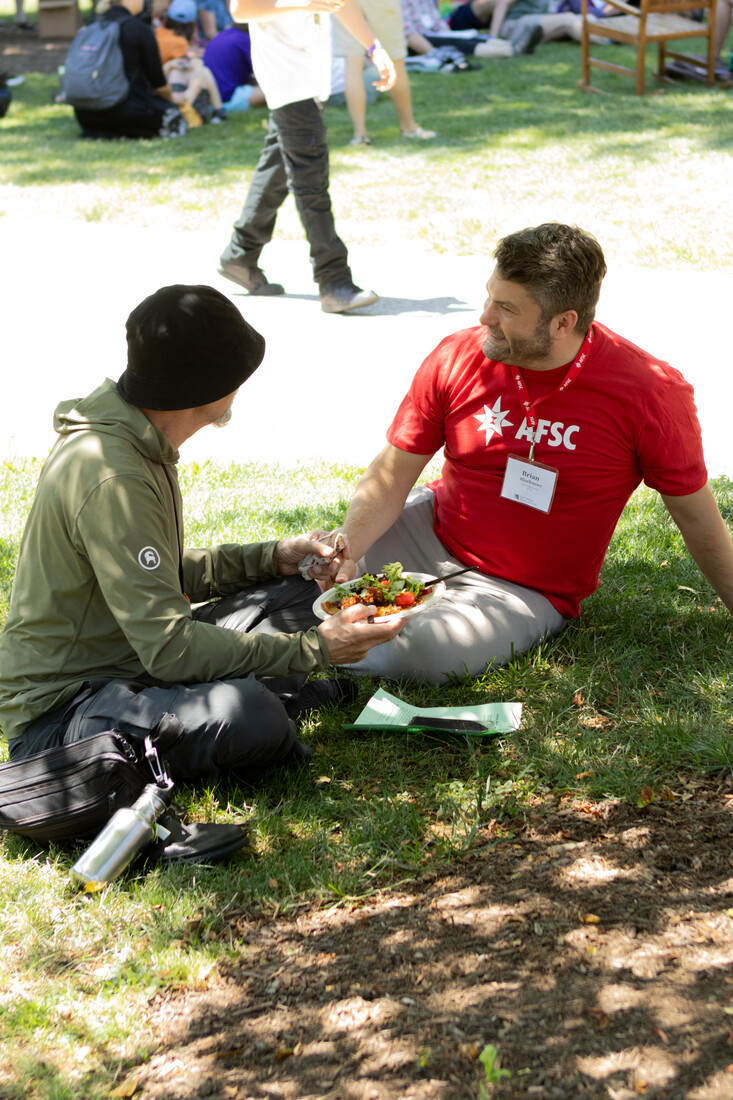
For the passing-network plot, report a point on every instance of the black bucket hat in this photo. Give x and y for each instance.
(187, 346)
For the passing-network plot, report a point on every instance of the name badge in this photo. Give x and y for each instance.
(528, 482)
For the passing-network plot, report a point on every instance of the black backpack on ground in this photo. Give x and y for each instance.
(5, 95)
(69, 793)
(94, 77)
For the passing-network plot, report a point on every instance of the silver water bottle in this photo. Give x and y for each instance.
(124, 835)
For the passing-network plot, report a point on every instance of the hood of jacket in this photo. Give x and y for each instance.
(106, 413)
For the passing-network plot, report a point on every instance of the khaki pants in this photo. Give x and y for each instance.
(480, 621)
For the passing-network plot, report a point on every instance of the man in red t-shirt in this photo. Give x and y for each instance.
(548, 422)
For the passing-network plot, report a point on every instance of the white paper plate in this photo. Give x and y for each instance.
(435, 595)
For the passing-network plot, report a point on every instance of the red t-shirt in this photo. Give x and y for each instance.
(626, 417)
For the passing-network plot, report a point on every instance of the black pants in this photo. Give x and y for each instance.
(237, 726)
(295, 158)
(466, 46)
(140, 115)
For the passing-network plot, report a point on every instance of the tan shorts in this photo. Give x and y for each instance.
(385, 20)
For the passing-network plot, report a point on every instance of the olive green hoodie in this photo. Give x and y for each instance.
(104, 586)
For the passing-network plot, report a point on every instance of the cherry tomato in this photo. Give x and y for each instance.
(405, 599)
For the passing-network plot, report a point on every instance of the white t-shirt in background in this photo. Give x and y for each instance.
(291, 57)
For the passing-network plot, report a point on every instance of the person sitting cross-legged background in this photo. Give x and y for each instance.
(229, 57)
(193, 85)
(148, 109)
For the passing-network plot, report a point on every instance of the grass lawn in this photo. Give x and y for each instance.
(519, 143)
(626, 704)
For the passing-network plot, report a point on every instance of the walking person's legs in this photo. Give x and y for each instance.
(304, 148)
(303, 145)
(255, 225)
(402, 99)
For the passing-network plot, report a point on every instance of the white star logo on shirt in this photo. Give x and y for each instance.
(493, 420)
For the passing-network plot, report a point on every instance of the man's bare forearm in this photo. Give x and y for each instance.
(380, 497)
(351, 17)
(707, 538)
(498, 17)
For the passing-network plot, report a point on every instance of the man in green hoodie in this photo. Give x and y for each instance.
(101, 631)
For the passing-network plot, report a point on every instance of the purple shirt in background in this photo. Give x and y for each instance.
(229, 57)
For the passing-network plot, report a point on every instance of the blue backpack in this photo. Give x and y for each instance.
(94, 78)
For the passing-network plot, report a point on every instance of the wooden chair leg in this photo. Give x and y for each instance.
(585, 54)
(640, 66)
(661, 61)
(711, 56)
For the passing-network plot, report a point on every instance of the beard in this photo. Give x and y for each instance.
(223, 420)
(519, 351)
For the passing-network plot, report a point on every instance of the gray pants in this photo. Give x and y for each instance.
(236, 726)
(480, 620)
(295, 159)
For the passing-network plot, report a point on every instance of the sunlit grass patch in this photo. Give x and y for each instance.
(518, 143)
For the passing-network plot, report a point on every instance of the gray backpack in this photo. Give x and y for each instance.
(94, 79)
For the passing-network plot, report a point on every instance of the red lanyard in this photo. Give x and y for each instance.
(529, 406)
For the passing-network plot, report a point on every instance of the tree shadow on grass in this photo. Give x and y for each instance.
(585, 944)
(587, 939)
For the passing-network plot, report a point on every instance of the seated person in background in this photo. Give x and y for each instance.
(101, 631)
(158, 10)
(425, 31)
(546, 20)
(213, 17)
(194, 90)
(21, 22)
(192, 84)
(148, 110)
(476, 15)
(590, 416)
(174, 28)
(556, 20)
(229, 57)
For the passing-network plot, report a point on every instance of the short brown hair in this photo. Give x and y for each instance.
(560, 267)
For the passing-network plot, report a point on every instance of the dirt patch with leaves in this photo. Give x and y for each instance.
(23, 52)
(590, 944)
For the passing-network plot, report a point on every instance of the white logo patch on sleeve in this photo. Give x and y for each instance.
(149, 558)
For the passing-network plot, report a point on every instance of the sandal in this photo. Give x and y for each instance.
(419, 134)
(25, 25)
(362, 139)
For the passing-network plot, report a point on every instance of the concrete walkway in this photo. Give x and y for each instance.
(329, 384)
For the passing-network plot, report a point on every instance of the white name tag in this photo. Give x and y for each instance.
(529, 483)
